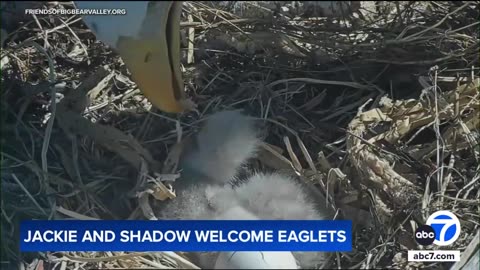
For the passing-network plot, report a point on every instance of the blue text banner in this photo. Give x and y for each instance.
(187, 235)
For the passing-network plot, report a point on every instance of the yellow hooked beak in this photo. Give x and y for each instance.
(154, 57)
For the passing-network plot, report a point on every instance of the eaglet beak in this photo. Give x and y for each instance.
(153, 57)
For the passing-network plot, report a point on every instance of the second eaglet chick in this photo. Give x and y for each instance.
(206, 192)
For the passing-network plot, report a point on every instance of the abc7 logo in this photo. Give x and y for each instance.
(442, 229)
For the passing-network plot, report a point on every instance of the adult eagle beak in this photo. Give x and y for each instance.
(153, 57)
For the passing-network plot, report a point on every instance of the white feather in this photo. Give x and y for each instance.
(225, 143)
(276, 196)
(108, 28)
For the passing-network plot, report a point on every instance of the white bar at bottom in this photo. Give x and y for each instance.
(434, 255)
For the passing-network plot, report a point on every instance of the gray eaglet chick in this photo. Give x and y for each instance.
(205, 191)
